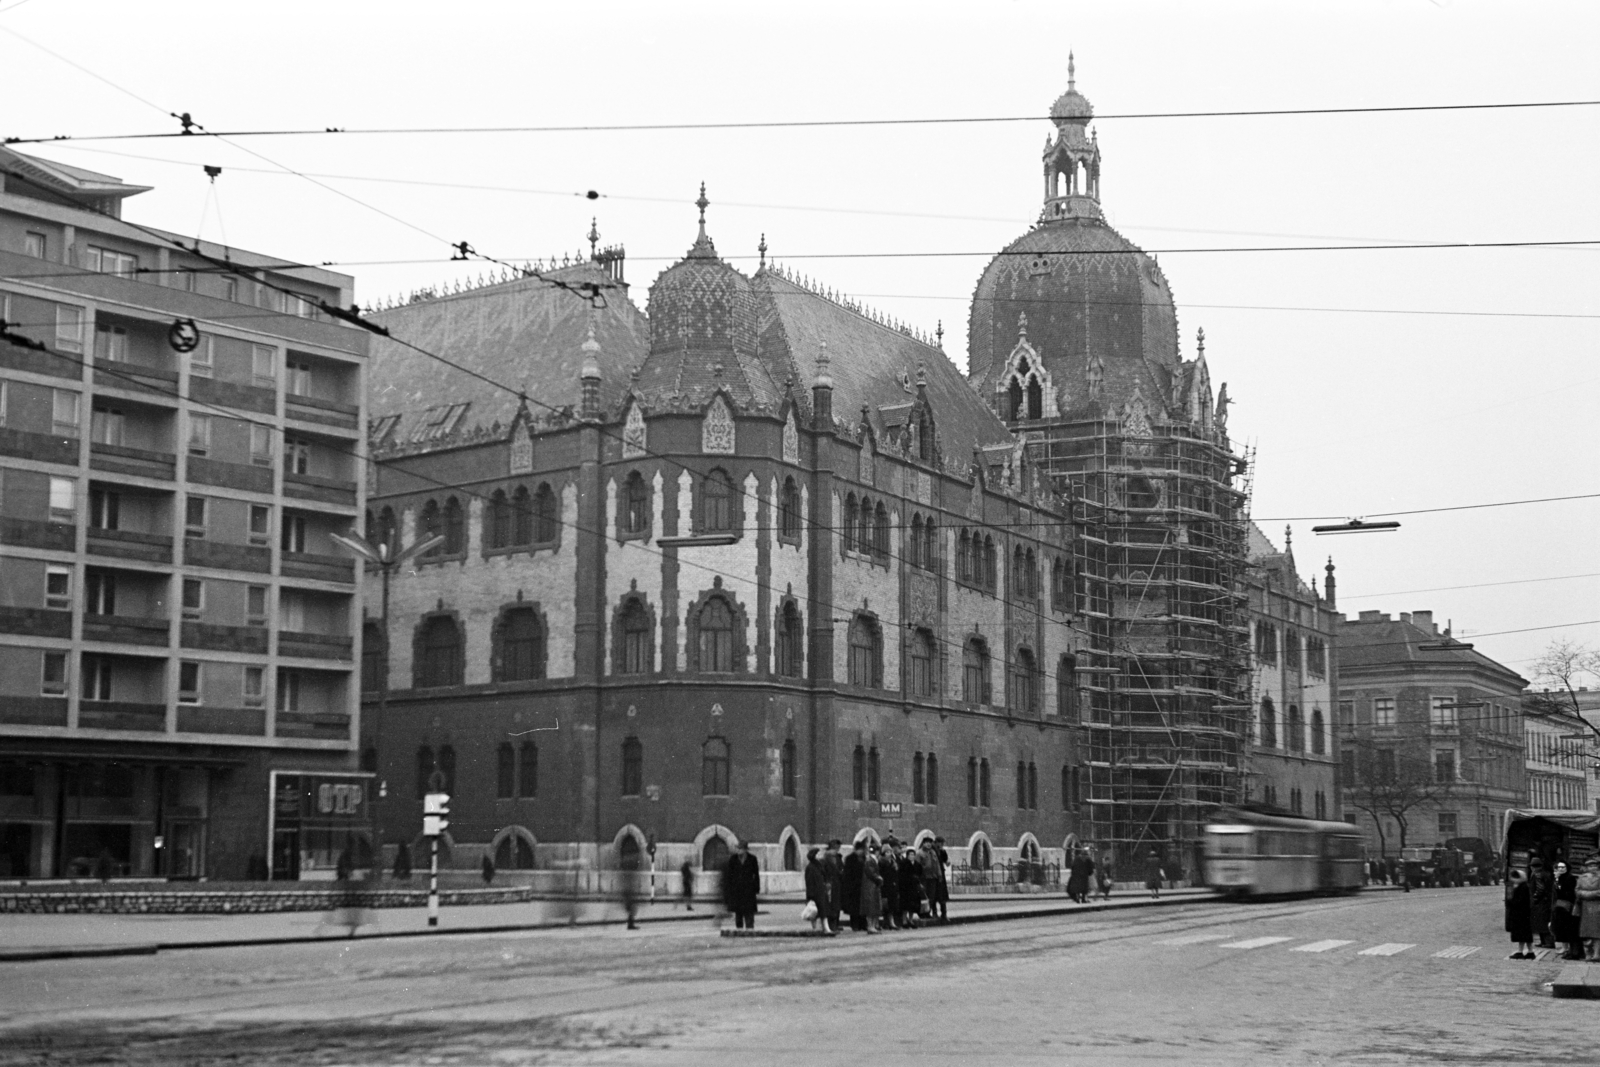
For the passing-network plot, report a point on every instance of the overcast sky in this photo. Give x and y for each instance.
(1490, 397)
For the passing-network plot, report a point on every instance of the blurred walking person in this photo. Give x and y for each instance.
(1587, 890)
(628, 876)
(943, 898)
(686, 874)
(1153, 874)
(1103, 876)
(833, 881)
(889, 886)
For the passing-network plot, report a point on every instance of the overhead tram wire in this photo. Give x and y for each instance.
(793, 124)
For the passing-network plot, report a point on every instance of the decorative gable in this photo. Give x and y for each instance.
(522, 448)
(1136, 417)
(717, 432)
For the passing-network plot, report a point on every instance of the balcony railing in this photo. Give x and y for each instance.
(55, 364)
(130, 544)
(248, 722)
(315, 646)
(35, 622)
(31, 533)
(318, 567)
(202, 553)
(233, 395)
(231, 475)
(122, 715)
(119, 374)
(33, 711)
(327, 412)
(314, 725)
(125, 629)
(44, 447)
(325, 490)
(139, 462)
(219, 638)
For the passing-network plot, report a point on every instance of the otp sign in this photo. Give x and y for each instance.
(338, 799)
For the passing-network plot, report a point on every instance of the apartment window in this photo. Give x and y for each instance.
(255, 605)
(96, 677)
(1444, 766)
(188, 682)
(296, 455)
(64, 413)
(53, 682)
(63, 500)
(1383, 711)
(297, 379)
(58, 588)
(255, 687)
(69, 328)
(292, 611)
(194, 598)
(110, 261)
(35, 245)
(293, 537)
(260, 524)
(101, 598)
(260, 445)
(111, 343)
(264, 366)
(194, 517)
(230, 289)
(288, 690)
(107, 426)
(1442, 713)
(200, 360)
(199, 435)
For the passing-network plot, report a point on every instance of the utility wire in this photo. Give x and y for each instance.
(1474, 585)
(792, 124)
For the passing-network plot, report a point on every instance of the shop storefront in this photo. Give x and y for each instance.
(320, 823)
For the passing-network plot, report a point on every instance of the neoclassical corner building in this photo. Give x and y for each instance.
(761, 565)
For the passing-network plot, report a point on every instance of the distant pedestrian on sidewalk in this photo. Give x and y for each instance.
(1518, 922)
(816, 891)
(402, 863)
(943, 899)
(833, 881)
(686, 875)
(741, 885)
(1103, 874)
(1541, 895)
(1563, 916)
(1153, 874)
(871, 889)
(1080, 872)
(488, 869)
(851, 877)
(1588, 894)
(629, 876)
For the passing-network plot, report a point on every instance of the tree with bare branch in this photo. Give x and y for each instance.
(1389, 782)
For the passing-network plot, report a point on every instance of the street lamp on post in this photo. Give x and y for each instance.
(380, 557)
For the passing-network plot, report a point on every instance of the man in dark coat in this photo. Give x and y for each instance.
(911, 887)
(1078, 881)
(850, 884)
(889, 869)
(833, 879)
(741, 884)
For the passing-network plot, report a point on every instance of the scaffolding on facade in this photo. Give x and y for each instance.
(1161, 551)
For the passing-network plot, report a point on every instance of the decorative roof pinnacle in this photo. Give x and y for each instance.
(591, 349)
(823, 380)
(1288, 537)
(594, 237)
(1200, 340)
(703, 248)
(1072, 71)
(939, 333)
(1022, 325)
(762, 248)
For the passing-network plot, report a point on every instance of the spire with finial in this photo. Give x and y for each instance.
(762, 248)
(1288, 538)
(939, 334)
(1329, 588)
(1072, 72)
(594, 238)
(1200, 341)
(1022, 325)
(703, 248)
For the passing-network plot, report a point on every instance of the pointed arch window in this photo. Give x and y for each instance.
(1022, 784)
(925, 437)
(932, 787)
(914, 542)
(789, 511)
(788, 770)
(1025, 683)
(880, 532)
(874, 775)
(991, 568)
(930, 545)
(716, 503)
(918, 790)
(431, 524)
(972, 781)
(544, 515)
(1067, 687)
(924, 680)
(528, 770)
(975, 671)
(715, 633)
(1319, 743)
(634, 639)
(964, 569)
(521, 655)
(791, 650)
(455, 528)
(1269, 723)
(714, 766)
(983, 783)
(636, 505)
(1060, 585)
(1297, 730)
(440, 659)
(866, 653)
(851, 517)
(858, 774)
(499, 524)
(1014, 400)
(519, 518)
(374, 661)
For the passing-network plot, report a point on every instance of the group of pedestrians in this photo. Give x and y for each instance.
(1551, 907)
(1084, 876)
(887, 886)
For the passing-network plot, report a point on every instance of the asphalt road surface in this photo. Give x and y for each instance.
(1376, 979)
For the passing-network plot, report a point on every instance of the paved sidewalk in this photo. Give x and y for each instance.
(27, 937)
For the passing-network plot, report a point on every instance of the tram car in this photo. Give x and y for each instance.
(1250, 853)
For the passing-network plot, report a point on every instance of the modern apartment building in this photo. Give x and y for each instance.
(178, 634)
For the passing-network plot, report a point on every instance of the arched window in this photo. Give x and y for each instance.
(990, 565)
(386, 529)
(789, 510)
(981, 856)
(1030, 575)
(632, 767)
(636, 646)
(544, 515)
(1067, 687)
(1060, 586)
(716, 503)
(917, 794)
(975, 671)
(874, 780)
(914, 542)
(791, 854)
(858, 774)
(714, 768)
(1319, 744)
(983, 783)
(440, 662)
(924, 675)
(514, 854)
(447, 767)
(714, 629)
(1035, 399)
(880, 532)
(1269, 724)
(787, 769)
(1019, 573)
(521, 517)
(636, 517)
(528, 778)
(791, 641)
(424, 771)
(431, 524)
(714, 856)
(1297, 729)
(964, 557)
(498, 526)
(930, 545)
(863, 534)
(1014, 400)
(972, 781)
(455, 528)
(851, 517)
(1033, 787)
(933, 779)
(1022, 784)
(505, 777)
(1026, 686)
(522, 645)
(374, 661)
(866, 653)
(925, 438)
(1066, 788)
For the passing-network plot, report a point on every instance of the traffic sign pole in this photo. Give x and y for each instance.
(435, 806)
(433, 881)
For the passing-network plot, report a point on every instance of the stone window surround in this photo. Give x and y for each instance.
(741, 625)
(622, 500)
(497, 633)
(618, 644)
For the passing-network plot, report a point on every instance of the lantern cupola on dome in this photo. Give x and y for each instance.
(1071, 157)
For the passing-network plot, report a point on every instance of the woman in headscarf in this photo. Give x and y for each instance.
(1518, 923)
(1563, 917)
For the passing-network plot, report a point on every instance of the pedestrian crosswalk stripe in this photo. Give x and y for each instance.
(1192, 939)
(1456, 952)
(1391, 948)
(1321, 946)
(1256, 942)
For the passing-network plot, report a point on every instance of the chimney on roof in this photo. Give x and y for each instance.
(1423, 620)
(1374, 616)
(1405, 617)
(822, 391)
